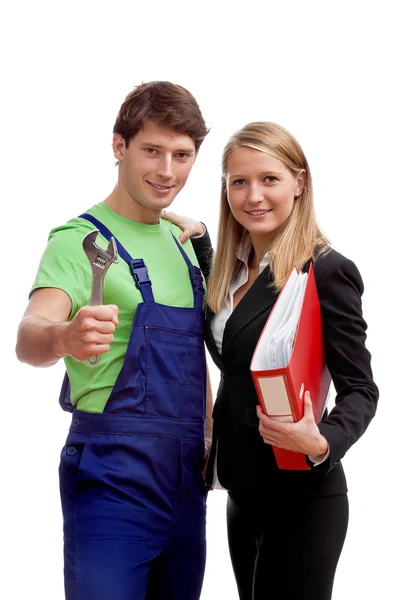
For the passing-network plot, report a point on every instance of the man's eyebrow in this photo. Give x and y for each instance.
(186, 150)
(161, 147)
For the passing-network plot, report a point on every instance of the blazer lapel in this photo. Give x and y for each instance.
(258, 298)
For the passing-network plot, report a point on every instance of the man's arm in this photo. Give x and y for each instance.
(45, 335)
(199, 236)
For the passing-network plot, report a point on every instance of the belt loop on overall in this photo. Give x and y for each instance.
(136, 266)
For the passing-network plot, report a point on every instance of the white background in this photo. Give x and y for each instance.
(328, 72)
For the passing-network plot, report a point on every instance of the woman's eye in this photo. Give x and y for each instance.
(271, 178)
(238, 182)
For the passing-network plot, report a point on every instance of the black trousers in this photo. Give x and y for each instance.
(286, 548)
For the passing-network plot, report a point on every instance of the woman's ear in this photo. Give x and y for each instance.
(300, 183)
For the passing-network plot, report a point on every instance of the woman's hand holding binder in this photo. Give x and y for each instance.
(302, 436)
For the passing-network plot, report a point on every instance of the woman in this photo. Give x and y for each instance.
(285, 528)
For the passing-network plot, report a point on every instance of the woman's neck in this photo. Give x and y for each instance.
(260, 245)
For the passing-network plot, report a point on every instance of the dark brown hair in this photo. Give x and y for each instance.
(165, 104)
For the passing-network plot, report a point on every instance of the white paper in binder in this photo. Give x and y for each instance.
(277, 340)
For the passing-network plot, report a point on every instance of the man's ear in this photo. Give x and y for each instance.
(119, 146)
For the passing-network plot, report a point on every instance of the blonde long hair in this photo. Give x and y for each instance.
(299, 237)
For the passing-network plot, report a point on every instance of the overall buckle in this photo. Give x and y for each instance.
(139, 272)
(196, 279)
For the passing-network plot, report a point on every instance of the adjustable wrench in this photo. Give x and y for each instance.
(100, 260)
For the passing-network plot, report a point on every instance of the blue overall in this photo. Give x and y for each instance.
(132, 490)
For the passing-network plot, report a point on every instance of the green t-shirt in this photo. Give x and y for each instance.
(64, 265)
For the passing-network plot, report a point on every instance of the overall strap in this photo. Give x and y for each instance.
(136, 265)
(196, 277)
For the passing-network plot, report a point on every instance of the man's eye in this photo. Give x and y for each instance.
(150, 150)
(182, 155)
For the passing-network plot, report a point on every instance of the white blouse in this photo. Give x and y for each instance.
(219, 321)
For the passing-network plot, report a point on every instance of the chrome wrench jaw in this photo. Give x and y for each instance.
(100, 260)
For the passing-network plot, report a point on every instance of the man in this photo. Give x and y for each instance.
(132, 490)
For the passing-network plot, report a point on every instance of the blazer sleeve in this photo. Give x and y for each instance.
(204, 252)
(340, 288)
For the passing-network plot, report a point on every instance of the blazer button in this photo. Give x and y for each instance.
(71, 450)
(75, 422)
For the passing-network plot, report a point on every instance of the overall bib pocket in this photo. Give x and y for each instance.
(174, 388)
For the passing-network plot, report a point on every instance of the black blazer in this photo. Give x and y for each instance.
(244, 462)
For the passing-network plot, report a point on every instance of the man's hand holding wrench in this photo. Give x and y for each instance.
(90, 332)
(100, 260)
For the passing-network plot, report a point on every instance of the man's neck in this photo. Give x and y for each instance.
(120, 202)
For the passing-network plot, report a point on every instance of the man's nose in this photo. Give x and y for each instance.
(164, 167)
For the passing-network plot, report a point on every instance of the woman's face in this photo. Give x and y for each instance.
(261, 192)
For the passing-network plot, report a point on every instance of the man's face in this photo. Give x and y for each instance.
(154, 167)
